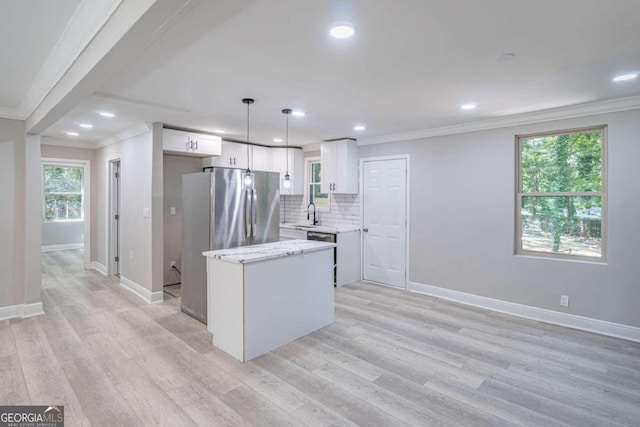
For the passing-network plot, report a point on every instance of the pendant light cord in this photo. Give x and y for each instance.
(248, 147)
(287, 149)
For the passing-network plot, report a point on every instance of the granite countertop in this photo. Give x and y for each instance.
(247, 254)
(321, 228)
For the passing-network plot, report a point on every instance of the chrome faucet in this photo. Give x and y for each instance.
(315, 221)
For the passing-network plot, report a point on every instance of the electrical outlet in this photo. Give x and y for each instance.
(173, 263)
(564, 300)
(130, 254)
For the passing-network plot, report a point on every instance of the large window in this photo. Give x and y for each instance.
(561, 194)
(63, 192)
(314, 185)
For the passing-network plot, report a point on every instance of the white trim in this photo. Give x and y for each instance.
(307, 174)
(100, 268)
(65, 247)
(21, 311)
(588, 324)
(569, 112)
(141, 291)
(33, 309)
(114, 228)
(86, 200)
(86, 145)
(407, 158)
(11, 311)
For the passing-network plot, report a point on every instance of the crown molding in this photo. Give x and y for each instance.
(47, 140)
(11, 113)
(85, 23)
(573, 111)
(130, 132)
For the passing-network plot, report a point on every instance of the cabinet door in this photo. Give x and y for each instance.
(262, 159)
(206, 145)
(345, 174)
(328, 161)
(234, 155)
(175, 141)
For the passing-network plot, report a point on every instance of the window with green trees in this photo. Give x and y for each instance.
(63, 192)
(561, 194)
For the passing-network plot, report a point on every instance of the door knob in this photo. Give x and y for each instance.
(366, 230)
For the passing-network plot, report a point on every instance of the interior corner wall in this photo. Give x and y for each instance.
(71, 232)
(157, 213)
(462, 221)
(173, 169)
(33, 221)
(12, 172)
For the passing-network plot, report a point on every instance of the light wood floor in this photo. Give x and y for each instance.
(391, 358)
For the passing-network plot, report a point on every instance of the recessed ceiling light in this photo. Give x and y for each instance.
(107, 114)
(469, 106)
(359, 127)
(85, 125)
(342, 30)
(219, 131)
(73, 133)
(277, 139)
(625, 77)
(298, 113)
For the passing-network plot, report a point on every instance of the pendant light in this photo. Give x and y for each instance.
(247, 176)
(287, 178)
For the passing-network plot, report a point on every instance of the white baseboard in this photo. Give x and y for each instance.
(21, 310)
(141, 291)
(95, 265)
(602, 327)
(34, 309)
(66, 247)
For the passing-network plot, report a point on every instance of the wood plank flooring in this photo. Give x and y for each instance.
(392, 358)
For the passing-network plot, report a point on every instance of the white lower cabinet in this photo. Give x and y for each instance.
(348, 262)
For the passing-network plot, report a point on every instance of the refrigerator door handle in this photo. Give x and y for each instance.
(247, 216)
(254, 213)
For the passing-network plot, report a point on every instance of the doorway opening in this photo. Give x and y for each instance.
(113, 251)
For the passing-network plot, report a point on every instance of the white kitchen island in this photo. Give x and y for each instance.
(264, 296)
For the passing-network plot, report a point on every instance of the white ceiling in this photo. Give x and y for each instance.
(29, 30)
(410, 66)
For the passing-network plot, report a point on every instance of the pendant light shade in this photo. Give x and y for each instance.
(247, 176)
(287, 178)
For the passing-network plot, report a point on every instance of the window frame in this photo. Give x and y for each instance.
(603, 194)
(82, 194)
(308, 161)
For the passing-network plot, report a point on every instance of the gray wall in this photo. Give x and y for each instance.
(62, 233)
(19, 215)
(462, 221)
(174, 168)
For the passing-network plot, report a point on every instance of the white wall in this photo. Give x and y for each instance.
(462, 222)
(173, 169)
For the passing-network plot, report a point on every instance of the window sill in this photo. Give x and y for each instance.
(550, 257)
(57, 221)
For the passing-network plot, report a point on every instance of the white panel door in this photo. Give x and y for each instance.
(384, 215)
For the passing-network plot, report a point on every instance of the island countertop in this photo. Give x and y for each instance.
(254, 253)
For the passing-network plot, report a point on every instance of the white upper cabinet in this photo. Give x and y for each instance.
(190, 143)
(339, 167)
(234, 155)
(296, 168)
(261, 158)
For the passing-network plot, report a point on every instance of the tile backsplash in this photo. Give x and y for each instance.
(345, 210)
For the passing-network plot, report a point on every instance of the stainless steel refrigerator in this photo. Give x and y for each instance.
(218, 212)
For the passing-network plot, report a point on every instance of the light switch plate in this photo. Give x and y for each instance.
(145, 212)
(172, 210)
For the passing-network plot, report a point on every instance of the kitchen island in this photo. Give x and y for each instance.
(264, 296)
